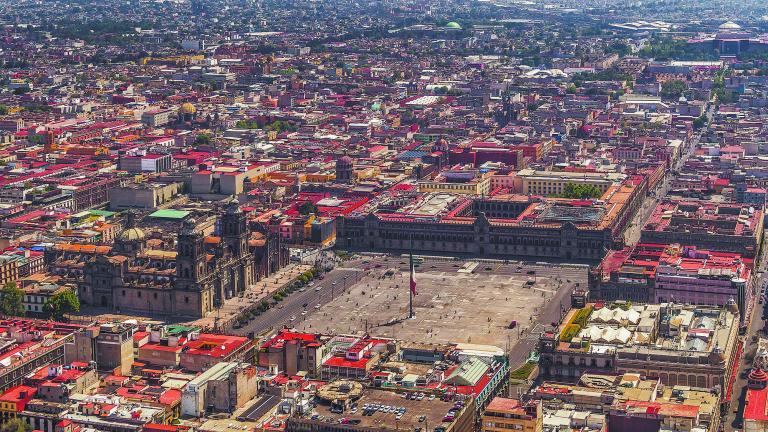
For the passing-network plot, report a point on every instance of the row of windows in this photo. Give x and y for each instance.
(154, 296)
(34, 299)
(509, 426)
(425, 237)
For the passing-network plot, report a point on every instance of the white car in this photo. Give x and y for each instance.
(303, 312)
(293, 318)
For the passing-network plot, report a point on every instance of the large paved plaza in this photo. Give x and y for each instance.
(451, 305)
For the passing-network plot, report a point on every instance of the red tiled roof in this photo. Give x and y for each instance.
(504, 404)
(343, 362)
(215, 345)
(755, 408)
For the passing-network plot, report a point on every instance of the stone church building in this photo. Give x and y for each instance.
(187, 274)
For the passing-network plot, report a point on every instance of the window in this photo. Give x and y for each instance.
(139, 294)
(154, 295)
(186, 299)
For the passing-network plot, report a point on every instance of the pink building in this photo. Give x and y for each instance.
(688, 275)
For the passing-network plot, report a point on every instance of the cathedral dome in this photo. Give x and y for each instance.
(729, 25)
(133, 234)
(188, 108)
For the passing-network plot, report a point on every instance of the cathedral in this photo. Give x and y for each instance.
(188, 274)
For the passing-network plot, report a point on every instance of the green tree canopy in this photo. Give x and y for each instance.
(280, 126)
(62, 302)
(15, 425)
(611, 74)
(673, 89)
(580, 191)
(12, 300)
(307, 207)
(665, 48)
(619, 47)
(700, 121)
(203, 139)
(247, 124)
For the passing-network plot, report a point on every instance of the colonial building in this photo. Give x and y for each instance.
(693, 346)
(500, 225)
(189, 274)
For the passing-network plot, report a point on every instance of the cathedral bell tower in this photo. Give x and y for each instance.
(234, 231)
(190, 258)
(234, 235)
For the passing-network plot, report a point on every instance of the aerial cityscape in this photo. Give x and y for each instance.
(403, 215)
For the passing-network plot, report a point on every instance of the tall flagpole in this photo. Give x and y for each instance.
(410, 280)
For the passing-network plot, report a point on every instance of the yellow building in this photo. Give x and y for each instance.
(549, 183)
(319, 177)
(503, 415)
(9, 268)
(365, 173)
(480, 185)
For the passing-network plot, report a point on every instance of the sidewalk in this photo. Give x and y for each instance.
(253, 295)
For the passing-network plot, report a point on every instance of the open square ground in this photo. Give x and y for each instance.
(451, 306)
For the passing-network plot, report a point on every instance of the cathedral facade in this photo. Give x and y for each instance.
(186, 276)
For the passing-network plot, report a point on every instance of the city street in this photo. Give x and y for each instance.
(633, 232)
(321, 292)
(734, 421)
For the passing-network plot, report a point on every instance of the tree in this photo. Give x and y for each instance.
(12, 300)
(280, 126)
(307, 207)
(619, 47)
(203, 139)
(15, 425)
(723, 95)
(62, 302)
(247, 124)
(673, 89)
(580, 191)
(700, 121)
(611, 74)
(569, 332)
